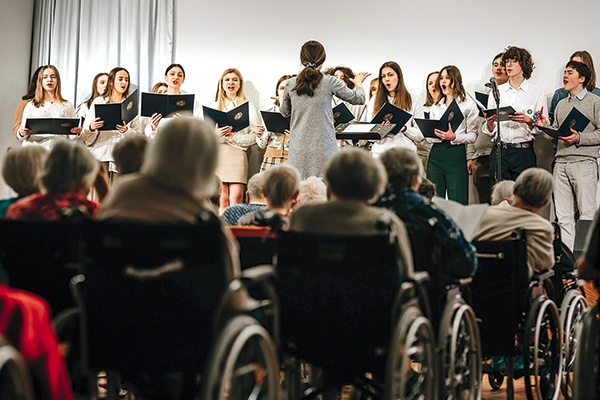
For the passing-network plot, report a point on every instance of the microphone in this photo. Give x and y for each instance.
(495, 91)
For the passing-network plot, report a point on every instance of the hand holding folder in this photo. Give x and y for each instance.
(238, 118)
(575, 120)
(55, 126)
(453, 117)
(117, 115)
(389, 113)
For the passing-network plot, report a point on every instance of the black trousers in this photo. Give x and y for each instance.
(513, 162)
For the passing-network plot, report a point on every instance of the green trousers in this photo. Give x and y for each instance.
(447, 169)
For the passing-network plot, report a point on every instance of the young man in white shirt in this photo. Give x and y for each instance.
(517, 133)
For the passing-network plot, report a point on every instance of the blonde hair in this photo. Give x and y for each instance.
(220, 97)
(68, 166)
(22, 169)
(184, 157)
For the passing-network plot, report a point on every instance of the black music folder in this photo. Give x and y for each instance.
(452, 116)
(342, 115)
(575, 120)
(504, 113)
(392, 114)
(167, 104)
(238, 118)
(115, 114)
(55, 126)
(482, 98)
(275, 122)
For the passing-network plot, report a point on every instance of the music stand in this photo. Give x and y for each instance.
(356, 130)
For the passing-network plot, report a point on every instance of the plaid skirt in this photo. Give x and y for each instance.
(268, 162)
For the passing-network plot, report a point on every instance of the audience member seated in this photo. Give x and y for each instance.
(129, 153)
(255, 200)
(216, 194)
(312, 191)
(22, 171)
(438, 245)
(161, 192)
(25, 323)
(531, 193)
(69, 172)
(502, 192)
(588, 264)
(354, 179)
(427, 189)
(281, 187)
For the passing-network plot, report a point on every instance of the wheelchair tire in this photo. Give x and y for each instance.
(15, 381)
(411, 367)
(242, 363)
(68, 332)
(587, 363)
(572, 310)
(495, 379)
(541, 346)
(460, 351)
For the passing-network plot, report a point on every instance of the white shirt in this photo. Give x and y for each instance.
(101, 143)
(50, 109)
(246, 137)
(467, 130)
(527, 99)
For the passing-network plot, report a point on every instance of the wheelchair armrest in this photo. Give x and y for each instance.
(258, 273)
(542, 276)
(419, 277)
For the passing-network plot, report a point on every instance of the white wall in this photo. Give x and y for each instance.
(262, 38)
(15, 45)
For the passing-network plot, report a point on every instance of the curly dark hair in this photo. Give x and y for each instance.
(522, 56)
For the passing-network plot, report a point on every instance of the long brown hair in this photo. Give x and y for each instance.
(402, 98)
(110, 84)
(32, 85)
(95, 93)
(455, 82)
(38, 100)
(429, 101)
(283, 78)
(312, 55)
(220, 97)
(586, 58)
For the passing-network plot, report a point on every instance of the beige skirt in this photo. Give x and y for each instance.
(233, 164)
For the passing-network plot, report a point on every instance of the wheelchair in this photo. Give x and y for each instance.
(15, 381)
(345, 316)
(586, 371)
(158, 315)
(518, 319)
(258, 244)
(41, 257)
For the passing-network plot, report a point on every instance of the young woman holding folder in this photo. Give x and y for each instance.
(98, 89)
(174, 78)
(277, 144)
(392, 90)
(102, 142)
(447, 165)
(46, 103)
(233, 162)
(307, 101)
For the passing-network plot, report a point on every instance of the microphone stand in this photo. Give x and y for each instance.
(498, 171)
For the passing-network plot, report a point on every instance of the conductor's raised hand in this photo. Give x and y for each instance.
(360, 78)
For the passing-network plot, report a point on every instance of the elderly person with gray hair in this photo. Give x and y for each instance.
(502, 191)
(438, 245)
(175, 183)
(531, 193)
(69, 173)
(255, 200)
(354, 179)
(281, 187)
(22, 169)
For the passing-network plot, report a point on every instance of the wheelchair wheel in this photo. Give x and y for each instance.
(243, 363)
(460, 349)
(15, 382)
(495, 379)
(586, 383)
(572, 310)
(542, 349)
(411, 360)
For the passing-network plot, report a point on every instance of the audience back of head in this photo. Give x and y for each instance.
(534, 187)
(70, 167)
(312, 191)
(352, 174)
(22, 169)
(281, 184)
(254, 189)
(403, 166)
(129, 153)
(502, 191)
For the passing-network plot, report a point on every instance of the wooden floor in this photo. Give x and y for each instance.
(488, 394)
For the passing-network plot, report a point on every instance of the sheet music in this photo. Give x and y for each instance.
(359, 128)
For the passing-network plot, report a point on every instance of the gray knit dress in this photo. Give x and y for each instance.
(312, 135)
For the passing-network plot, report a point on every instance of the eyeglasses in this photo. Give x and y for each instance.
(510, 62)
